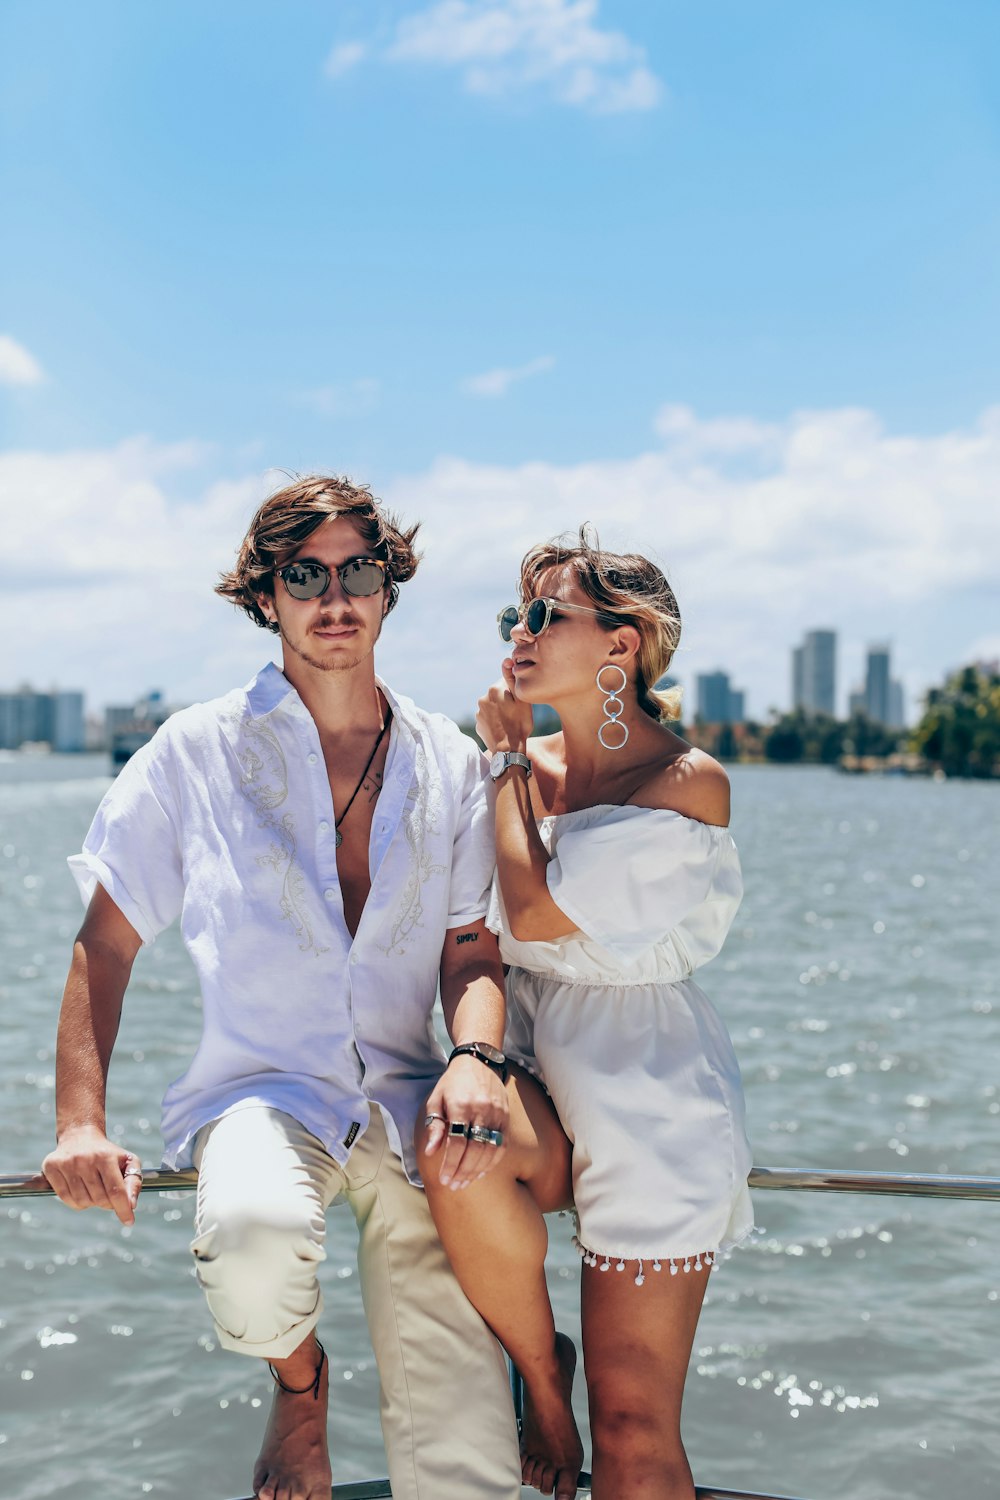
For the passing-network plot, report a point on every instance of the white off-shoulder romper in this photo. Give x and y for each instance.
(637, 1062)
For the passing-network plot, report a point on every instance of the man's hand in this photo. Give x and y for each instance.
(468, 1093)
(86, 1170)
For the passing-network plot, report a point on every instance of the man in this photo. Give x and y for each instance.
(327, 848)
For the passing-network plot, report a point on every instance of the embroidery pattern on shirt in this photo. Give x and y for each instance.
(264, 783)
(421, 817)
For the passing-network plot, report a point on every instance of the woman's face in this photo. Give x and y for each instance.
(566, 657)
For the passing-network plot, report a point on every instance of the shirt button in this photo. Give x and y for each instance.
(354, 958)
(312, 757)
(330, 895)
(324, 826)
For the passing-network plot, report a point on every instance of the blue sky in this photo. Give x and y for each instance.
(721, 277)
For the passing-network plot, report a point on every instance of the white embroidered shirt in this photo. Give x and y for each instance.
(225, 820)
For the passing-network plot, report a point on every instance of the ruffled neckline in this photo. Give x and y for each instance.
(668, 812)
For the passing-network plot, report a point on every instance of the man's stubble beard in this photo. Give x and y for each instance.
(326, 666)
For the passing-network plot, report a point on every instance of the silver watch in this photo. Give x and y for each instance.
(502, 760)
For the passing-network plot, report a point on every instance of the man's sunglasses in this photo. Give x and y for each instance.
(536, 615)
(308, 579)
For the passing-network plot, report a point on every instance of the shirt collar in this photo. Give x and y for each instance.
(271, 689)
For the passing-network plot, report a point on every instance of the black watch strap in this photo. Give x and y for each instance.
(497, 1065)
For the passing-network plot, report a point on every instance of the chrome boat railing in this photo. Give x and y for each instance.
(378, 1489)
(796, 1179)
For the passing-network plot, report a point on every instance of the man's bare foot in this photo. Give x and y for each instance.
(551, 1450)
(294, 1462)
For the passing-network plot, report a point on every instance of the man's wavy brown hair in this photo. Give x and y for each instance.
(292, 514)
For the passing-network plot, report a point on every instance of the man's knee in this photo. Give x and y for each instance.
(252, 1258)
(272, 1226)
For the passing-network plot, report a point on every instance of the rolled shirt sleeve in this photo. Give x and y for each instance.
(133, 848)
(474, 851)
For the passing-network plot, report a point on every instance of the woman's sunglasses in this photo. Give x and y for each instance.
(308, 579)
(536, 615)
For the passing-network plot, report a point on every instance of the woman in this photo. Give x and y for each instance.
(616, 878)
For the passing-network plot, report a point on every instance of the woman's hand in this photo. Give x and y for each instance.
(503, 723)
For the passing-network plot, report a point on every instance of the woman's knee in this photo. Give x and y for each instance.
(636, 1434)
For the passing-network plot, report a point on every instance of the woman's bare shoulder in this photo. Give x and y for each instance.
(690, 782)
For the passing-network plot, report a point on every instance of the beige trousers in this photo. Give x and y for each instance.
(263, 1187)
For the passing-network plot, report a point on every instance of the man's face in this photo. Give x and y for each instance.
(335, 631)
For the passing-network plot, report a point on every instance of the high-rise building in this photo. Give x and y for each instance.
(67, 721)
(814, 672)
(877, 684)
(718, 701)
(798, 675)
(881, 698)
(27, 717)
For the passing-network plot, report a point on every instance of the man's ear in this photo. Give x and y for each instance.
(265, 603)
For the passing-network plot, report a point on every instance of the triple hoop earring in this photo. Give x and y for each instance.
(613, 707)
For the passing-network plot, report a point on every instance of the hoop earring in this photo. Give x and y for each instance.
(613, 707)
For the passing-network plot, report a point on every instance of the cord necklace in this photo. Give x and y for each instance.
(364, 773)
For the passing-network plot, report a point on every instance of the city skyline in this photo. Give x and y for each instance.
(585, 277)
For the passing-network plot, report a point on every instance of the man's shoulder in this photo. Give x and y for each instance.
(440, 734)
(192, 730)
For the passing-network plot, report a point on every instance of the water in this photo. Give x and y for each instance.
(850, 1350)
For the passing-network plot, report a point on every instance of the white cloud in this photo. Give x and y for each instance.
(494, 383)
(765, 529)
(106, 579)
(685, 431)
(353, 398)
(345, 57)
(111, 554)
(502, 47)
(17, 365)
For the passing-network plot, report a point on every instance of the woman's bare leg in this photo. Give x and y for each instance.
(496, 1240)
(636, 1348)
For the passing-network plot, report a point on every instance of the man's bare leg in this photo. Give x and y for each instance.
(294, 1462)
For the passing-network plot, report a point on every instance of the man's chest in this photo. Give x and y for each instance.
(274, 861)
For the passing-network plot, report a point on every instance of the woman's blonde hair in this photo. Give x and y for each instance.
(629, 589)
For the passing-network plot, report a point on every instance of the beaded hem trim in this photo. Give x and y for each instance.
(703, 1261)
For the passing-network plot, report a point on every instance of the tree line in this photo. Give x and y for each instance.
(958, 732)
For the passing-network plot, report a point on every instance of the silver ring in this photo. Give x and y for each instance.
(486, 1136)
(429, 1120)
(458, 1127)
(132, 1172)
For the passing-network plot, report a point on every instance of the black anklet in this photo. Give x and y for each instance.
(304, 1390)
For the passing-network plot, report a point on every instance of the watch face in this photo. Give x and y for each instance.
(498, 762)
(493, 1053)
